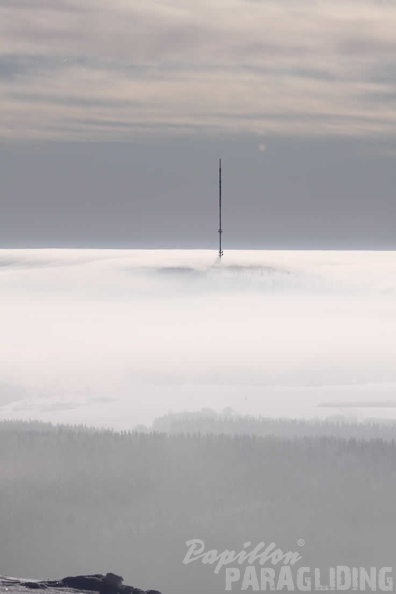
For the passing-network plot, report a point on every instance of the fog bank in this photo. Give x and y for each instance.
(119, 337)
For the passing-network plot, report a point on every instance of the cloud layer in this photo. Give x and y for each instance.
(122, 336)
(97, 70)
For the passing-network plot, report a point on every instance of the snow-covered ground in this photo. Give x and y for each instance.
(118, 337)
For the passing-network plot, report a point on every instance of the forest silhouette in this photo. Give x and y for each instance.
(78, 500)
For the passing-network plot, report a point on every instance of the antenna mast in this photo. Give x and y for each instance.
(220, 229)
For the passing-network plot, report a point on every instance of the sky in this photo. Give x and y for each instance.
(113, 117)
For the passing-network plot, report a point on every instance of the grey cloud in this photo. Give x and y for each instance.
(384, 72)
(178, 64)
(9, 69)
(364, 47)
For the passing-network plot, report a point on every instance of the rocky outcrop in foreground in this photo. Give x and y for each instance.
(104, 584)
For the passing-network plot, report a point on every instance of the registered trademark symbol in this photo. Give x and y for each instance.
(301, 542)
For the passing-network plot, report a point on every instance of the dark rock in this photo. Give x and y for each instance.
(92, 583)
(128, 590)
(113, 580)
(108, 589)
(110, 583)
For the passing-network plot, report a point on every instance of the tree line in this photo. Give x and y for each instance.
(76, 500)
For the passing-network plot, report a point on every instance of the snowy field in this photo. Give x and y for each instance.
(118, 337)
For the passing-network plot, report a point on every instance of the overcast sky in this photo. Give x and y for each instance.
(113, 116)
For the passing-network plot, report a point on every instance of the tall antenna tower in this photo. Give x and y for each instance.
(220, 229)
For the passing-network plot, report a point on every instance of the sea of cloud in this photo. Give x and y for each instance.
(118, 337)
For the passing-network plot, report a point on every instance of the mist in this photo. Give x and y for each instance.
(115, 338)
(75, 500)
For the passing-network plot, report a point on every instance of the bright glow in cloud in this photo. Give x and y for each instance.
(99, 70)
(119, 337)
